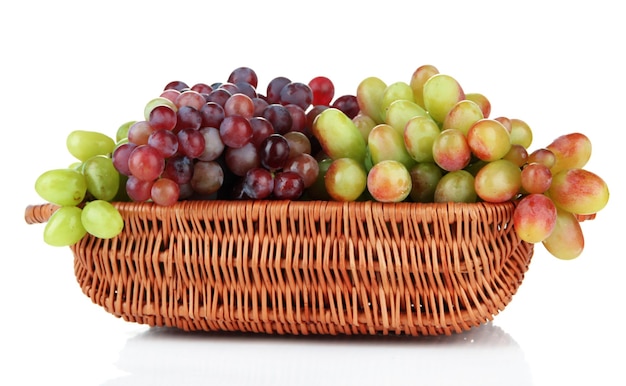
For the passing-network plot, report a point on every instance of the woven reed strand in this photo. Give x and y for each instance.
(282, 267)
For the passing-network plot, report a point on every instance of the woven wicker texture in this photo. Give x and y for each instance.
(284, 267)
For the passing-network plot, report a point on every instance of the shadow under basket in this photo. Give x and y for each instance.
(296, 267)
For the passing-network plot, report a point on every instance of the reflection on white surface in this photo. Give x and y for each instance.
(483, 356)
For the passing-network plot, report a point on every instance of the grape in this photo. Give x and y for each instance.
(169, 94)
(190, 98)
(178, 85)
(288, 185)
(517, 154)
(102, 177)
(534, 217)
(498, 181)
(160, 101)
(218, 96)
(387, 143)
(542, 156)
(213, 144)
(441, 93)
(323, 90)
(261, 129)
(424, 179)
(146, 163)
(305, 165)
(345, 179)
(65, 187)
(369, 95)
(296, 93)
(212, 114)
(571, 151)
(456, 186)
(164, 141)
(536, 178)
(259, 105)
(462, 116)
(139, 132)
(84, 144)
(162, 118)
(101, 219)
(122, 131)
(188, 117)
(488, 140)
(279, 116)
(274, 152)
(419, 135)
(64, 227)
(274, 88)
(506, 122)
(120, 157)
(239, 104)
(208, 177)
(240, 160)
(418, 78)
(521, 133)
(244, 74)
(389, 181)
(338, 135)
(191, 143)
(179, 169)
(394, 92)
(481, 101)
(202, 88)
(566, 241)
(298, 143)
(138, 190)
(364, 123)
(579, 191)
(236, 131)
(165, 192)
(400, 112)
(347, 104)
(298, 119)
(451, 150)
(246, 89)
(258, 183)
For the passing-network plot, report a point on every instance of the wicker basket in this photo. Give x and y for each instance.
(294, 267)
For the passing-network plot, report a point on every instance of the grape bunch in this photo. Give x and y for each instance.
(83, 191)
(422, 140)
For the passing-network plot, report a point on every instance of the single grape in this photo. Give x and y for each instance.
(190, 98)
(338, 135)
(298, 119)
(208, 177)
(579, 191)
(103, 180)
(298, 143)
(165, 192)
(279, 116)
(288, 185)
(202, 88)
(178, 85)
(348, 104)
(274, 152)
(389, 181)
(274, 88)
(482, 101)
(101, 219)
(162, 118)
(213, 144)
(451, 150)
(212, 114)
(534, 217)
(305, 165)
(261, 129)
(239, 104)
(571, 151)
(188, 117)
(164, 99)
(122, 131)
(164, 141)
(488, 139)
(323, 90)
(441, 92)
(179, 169)
(369, 93)
(138, 190)
(419, 135)
(401, 111)
(536, 178)
(345, 179)
(498, 181)
(543, 156)
(244, 74)
(387, 143)
(240, 160)
(418, 78)
(424, 179)
(455, 186)
(236, 131)
(139, 132)
(566, 241)
(64, 227)
(120, 157)
(296, 93)
(146, 163)
(521, 133)
(191, 143)
(65, 187)
(84, 144)
(258, 183)
(462, 116)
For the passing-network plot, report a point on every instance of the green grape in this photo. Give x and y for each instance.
(338, 135)
(103, 180)
(498, 181)
(566, 241)
(345, 179)
(462, 116)
(364, 123)
(418, 78)
(420, 134)
(482, 101)
(64, 227)
(369, 95)
(84, 144)
(571, 151)
(456, 186)
(401, 111)
(64, 187)
(521, 133)
(441, 93)
(534, 217)
(386, 143)
(389, 181)
(101, 219)
(398, 91)
(488, 139)
(579, 191)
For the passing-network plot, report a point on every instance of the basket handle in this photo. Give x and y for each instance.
(37, 214)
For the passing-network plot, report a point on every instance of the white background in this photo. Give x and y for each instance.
(69, 65)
